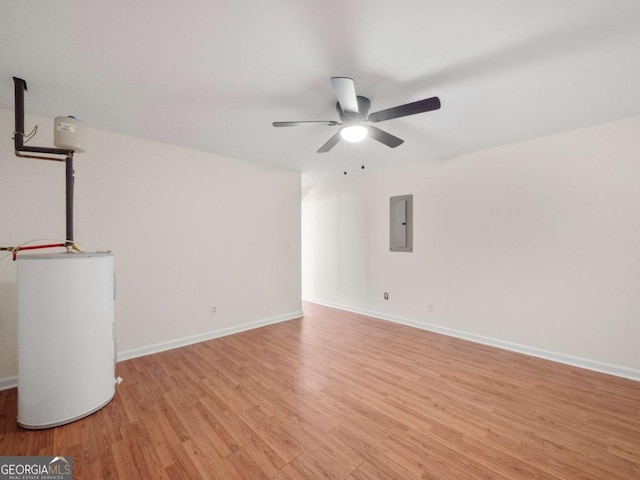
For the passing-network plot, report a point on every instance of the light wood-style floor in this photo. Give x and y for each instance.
(342, 396)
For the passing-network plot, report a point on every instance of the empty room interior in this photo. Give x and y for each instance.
(192, 285)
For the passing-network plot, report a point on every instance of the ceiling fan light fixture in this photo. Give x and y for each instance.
(353, 111)
(354, 133)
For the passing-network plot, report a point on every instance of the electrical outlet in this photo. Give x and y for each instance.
(213, 309)
(429, 307)
(386, 296)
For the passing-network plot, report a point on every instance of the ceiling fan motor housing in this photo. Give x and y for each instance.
(361, 115)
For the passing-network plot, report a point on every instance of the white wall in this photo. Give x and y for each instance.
(533, 246)
(188, 230)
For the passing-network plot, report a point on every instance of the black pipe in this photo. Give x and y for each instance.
(18, 134)
(55, 151)
(69, 199)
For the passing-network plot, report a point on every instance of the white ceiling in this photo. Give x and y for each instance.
(213, 75)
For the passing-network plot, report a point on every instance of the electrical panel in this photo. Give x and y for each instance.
(401, 223)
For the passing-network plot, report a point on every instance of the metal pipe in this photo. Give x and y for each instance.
(52, 151)
(35, 247)
(18, 134)
(15, 250)
(69, 198)
(38, 157)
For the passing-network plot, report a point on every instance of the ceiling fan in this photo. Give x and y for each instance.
(353, 111)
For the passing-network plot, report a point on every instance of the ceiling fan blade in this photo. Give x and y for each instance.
(330, 143)
(384, 137)
(311, 123)
(345, 90)
(420, 106)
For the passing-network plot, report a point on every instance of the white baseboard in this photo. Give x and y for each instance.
(184, 341)
(8, 382)
(580, 362)
(11, 382)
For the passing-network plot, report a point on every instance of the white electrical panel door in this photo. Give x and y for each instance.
(66, 353)
(401, 223)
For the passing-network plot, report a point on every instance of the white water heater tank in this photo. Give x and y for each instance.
(70, 133)
(66, 351)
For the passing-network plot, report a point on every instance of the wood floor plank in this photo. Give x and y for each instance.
(246, 466)
(366, 471)
(338, 395)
